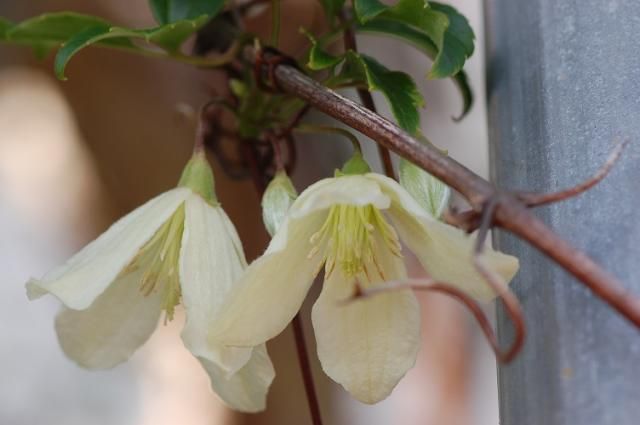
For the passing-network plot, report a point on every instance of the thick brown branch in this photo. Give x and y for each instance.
(510, 213)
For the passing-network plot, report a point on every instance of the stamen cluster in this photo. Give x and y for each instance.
(348, 238)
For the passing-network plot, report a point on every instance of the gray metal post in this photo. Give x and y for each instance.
(564, 87)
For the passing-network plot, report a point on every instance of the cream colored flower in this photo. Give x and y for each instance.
(353, 225)
(179, 247)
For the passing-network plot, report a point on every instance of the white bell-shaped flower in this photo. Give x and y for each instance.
(353, 225)
(179, 247)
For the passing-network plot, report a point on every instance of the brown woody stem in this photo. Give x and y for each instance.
(510, 213)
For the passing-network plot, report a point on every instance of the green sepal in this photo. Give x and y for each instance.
(198, 176)
(432, 195)
(276, 201)
(355, 165)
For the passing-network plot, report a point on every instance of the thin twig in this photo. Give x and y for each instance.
(428, 284)
(298, 331)
(510, 213)
(510, 301)
(305, 368)
(537, 199)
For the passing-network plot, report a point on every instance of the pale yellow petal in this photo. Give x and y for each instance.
(246, 390)
(113, 327)
(270, 292)
(368, 345)
(353, 190)
(89, 272)
(211, 260)
(444, 251)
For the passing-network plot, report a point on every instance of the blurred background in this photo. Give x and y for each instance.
(76, 155)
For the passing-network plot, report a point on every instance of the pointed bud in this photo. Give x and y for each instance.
(431, 193)
(276, 201)
(198, 176)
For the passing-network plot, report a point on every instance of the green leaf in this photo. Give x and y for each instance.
(397, 87)
(432, 195)
(318, 57)
(368, 9)
(462, 83)
(169, 37)
(422, 42)
(403, 31)
(86, 38)
(459, 27)
(418, 14)
(332, 8)
(50, 30)
(457, 44)
(169, 11)
(447, 29)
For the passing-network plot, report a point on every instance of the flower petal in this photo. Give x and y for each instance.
(271, 290)
(351, 189)
(87, 274)
(367, 345)
(211, 260)
(444, 251)
(246, 390)
(113, 327)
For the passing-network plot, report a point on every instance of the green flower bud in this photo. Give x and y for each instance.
(198, 176)
(276, 201)
(431, 193)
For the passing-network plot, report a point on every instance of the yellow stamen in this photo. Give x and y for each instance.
(347, 239)
(160, 259)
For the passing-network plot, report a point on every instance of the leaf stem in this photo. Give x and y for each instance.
(350, 43)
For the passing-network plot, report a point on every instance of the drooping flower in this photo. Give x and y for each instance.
(353, 225)
(179, 247)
